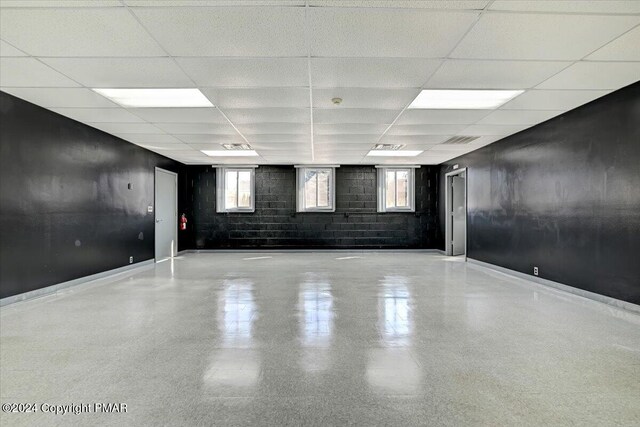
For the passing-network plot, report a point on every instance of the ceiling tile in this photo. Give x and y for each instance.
(411, 4)
(161, 148)
(273, 128)
(180, 115)
(345, 139)
(29, 72)
(494, 74)
(425, 129)
(372, 72)
(482, 130)
(553, 99)
(195, 138)
(186, 3)
(149, 138)
(518, 117)
(595, 75)
(624, 48)
(227, 31)
(353, 115)
(120, 128)
(540, 36)
(292, 97)
(289, 138)
(349, 129)
(375, 32)
(76, 32)
(268, 115)
(122, 72)
(7, 50)
(568, 6)
(62, 97)
(392, 99)
(99, 115)
(61, 3)
(197, 128)
(246, 72)
(440, 117)
(413, 139)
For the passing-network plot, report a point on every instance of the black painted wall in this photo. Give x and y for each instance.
(563, 196)
(65, 207)
(275, 223)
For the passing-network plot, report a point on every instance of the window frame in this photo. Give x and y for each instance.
(301, 171)
(221, 189)
(382, 189)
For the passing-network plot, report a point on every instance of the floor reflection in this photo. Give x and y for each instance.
(237, 309)
(396, 320)
(317, 315)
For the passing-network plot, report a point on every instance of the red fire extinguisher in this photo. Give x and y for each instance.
(183, 222)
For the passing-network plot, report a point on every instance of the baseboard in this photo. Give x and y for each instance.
(302, 250)
(105, 276)
(634, 308)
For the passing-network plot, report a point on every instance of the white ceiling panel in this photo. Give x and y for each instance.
(624, 48)
(319, 140)
(568, 6)
(374, 32)
(595, 75)
(29, 72)
(122, 72)
(413, 139)
(391, 99)
(161, 148)
(553, 99)
(518, 117)
(60, 3)
(482, 130)
(195, 138)
(349, 129)
(180, 115)
(284, 97)
(227, 31)
(189, 3)
(444, 117)
(285, 138)
(149, 138)
(246, 72)
(494, 74)
(425, 129)
(76, 32)
(197, 128)
(353, 115)
(122, 128)
(99, 115)
(274, 128)
(411, 4)
(540, 36)
(268, 115)
(7, 50)
(62, 97)
(372, 72)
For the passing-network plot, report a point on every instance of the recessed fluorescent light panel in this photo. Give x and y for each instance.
(230, 153)
(394, 153)
(156, 98)
(463, 99)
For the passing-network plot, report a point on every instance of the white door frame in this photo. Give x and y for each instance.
(448, 246)
(155, 211)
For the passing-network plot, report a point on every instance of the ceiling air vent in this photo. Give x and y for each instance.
(460, 139)
(236, 146)
(388, 147)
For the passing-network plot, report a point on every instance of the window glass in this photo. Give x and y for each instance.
(323, 188)
(402, 189)
(231, 189)
(391, 188)
(244, 189)
(315, 189)
(310, 188)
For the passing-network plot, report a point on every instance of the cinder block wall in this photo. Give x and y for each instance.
(275, 223)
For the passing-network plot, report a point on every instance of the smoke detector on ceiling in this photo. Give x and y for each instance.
(236, 146)
(336, 101)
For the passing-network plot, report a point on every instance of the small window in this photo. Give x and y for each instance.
(396, 190)
(235, 189)
(316, 189)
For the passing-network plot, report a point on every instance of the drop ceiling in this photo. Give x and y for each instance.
(271, 68)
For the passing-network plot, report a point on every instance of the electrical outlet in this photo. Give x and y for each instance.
(535, 271)
(130, 260)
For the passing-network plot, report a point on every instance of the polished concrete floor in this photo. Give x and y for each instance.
(331, 338)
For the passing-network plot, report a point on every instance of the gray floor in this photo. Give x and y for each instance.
(329, 338)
